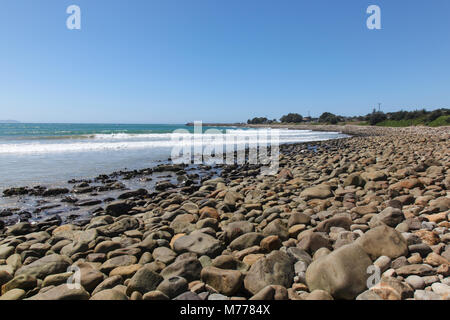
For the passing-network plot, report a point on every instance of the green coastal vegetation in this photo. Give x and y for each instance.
(422, 117)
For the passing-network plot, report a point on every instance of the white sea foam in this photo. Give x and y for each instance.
(125, 141)
(235, 132)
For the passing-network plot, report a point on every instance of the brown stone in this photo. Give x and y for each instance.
(429, 237)
(406, 184)
(270, 243)
(227, 282)
(319, 295)
(312, 241)
(155, 295)
(296, 229)
(300, 287)
(438, 217)
(271, 292)
(322, 191)
(175, 237)
(444, 269)
(62, 292)
(341, 222)
(208, 212)
(363, 210)
(250, 259)
(243, 253)
(392, 289)
(414, 269)
(125, 271)
(435, 260)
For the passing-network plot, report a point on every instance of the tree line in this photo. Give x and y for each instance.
(326, 117)
(373, 118)
(420, 116)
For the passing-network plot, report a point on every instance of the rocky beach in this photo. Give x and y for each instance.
(365, 218)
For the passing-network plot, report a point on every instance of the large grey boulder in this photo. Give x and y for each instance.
(321, 191)
(188, 268)
(354, 179)
(109, 294)
(236, 229)
(19, 229)
(14, 294)
(119, 227)
(22, 281)
(118, 207)
(45, 266)
(383, 241)
(6, 251)
(389, 216)
(342, 273)
(227, 282)
(119, 261)
(73, 248)
(313, 241)
(173, 286)
(277, 228)
(340, 221)
(246, 241)
(277, 268)
(199, 243)
(144, 280)
(62, 292)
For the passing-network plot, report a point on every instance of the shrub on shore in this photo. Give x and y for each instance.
(259, 120)
(328, 117)
(436, 118)
(376, 117)
(291, 118)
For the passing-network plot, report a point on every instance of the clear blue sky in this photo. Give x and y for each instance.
(173, 61)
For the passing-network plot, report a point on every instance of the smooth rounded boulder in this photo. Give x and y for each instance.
(342, 273)
(227, 282)
(389, 216)
(199, 243)
(246, 241)
(277, 268)
(145, 280)
(321, 191)
(188, 268)
(63, 292)
(173, 286)
(45, 266)
(272, 292)
(109, 294)
(383, 241)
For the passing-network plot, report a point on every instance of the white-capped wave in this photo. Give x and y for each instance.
(165, 140)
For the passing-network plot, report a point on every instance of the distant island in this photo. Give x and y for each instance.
(9, 121)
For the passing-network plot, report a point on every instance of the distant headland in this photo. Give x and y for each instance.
(9, 121)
